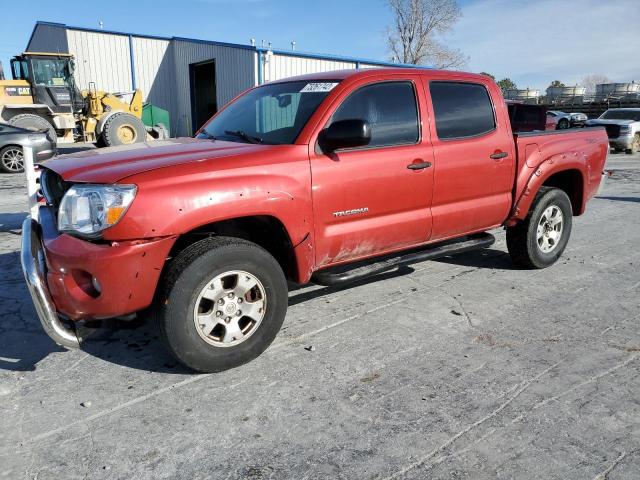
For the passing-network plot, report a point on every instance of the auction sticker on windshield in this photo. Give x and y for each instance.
(318, 87)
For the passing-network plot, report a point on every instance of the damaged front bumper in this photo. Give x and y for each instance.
(80, 280)
(33, 267)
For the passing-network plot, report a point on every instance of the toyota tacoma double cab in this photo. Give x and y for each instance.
(325, 178)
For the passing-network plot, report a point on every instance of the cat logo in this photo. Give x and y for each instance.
(17, 91)
(355, 211)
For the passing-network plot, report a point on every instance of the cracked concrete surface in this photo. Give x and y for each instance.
(459, 368)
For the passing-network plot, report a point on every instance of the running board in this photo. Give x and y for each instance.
(342, 275)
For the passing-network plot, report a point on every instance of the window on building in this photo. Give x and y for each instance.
(461, 109)
(389, 107)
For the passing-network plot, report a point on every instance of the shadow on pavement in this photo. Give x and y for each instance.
(622, 199)
(487, 258)
(306, 296)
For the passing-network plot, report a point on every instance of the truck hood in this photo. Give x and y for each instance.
(110, 165)
(603, 121)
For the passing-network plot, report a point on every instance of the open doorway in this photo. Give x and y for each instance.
(203, 92)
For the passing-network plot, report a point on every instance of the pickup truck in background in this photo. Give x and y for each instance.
(325, 178)
(623, 128)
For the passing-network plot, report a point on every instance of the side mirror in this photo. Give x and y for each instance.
(345, 134)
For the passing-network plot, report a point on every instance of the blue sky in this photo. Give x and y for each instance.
(531, 41)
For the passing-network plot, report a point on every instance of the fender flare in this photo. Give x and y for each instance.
(541, 174)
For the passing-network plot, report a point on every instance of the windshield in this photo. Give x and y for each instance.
(622, 115)
(51, 72)
(273, 114)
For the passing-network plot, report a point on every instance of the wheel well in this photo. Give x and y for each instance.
(9, 113)
(264, 230)
(10, 145)
(571, 182)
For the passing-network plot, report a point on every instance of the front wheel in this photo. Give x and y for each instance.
(224, 302)
(11, 159)
(539, 240)
(563, 124)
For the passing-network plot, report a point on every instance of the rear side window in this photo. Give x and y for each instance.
(389, 107)
(461, 109)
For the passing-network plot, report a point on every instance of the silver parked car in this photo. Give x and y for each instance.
(565, 120)
(623, 128)
(12, 141)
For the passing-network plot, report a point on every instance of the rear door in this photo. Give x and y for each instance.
(366, 200)
(473, 156)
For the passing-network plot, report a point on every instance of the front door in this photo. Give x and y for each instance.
(366, 200)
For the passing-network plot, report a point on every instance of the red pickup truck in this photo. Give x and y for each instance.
(325, 178)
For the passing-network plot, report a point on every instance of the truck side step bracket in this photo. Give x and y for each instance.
(343, 275)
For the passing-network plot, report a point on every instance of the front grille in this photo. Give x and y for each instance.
(53, 186)
(613, 131)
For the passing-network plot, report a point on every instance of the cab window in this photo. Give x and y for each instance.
(389, 107)
(462, 110)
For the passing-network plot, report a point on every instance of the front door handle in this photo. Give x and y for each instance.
(419, 165)
(498, 155)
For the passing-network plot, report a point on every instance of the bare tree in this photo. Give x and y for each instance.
(590, 82)
(413, 38)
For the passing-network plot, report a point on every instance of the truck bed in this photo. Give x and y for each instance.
(582, 150)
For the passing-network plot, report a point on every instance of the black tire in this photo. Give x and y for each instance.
(130, 127)
(11, 159)
(187, 276)
(522, 239)
(34, 122)
(563, 124)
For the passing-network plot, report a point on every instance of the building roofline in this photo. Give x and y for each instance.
(291, 53)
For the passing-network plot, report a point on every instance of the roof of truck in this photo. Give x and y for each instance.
(365, 72)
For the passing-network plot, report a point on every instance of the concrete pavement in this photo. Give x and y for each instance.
(460, 368)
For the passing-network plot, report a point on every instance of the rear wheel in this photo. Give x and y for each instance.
(539, 240)
(123, 129)
(563, 124)
(12, 159)
(223, 303)
(34, 122)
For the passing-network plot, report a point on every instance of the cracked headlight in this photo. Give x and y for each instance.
(86, 210)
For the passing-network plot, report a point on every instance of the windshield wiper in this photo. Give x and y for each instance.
(207, 135)
(243, 135)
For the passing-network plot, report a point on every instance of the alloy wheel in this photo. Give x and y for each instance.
(549, 231)
(13, 159)
(230, 308)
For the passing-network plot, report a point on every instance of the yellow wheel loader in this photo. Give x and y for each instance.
(44, 95)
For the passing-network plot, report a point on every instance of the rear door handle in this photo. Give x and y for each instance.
(498, 155)
(418, 166)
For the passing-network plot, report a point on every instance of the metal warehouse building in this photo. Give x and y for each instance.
(190, 78)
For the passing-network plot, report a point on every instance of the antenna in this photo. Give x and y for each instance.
(253, 42)
(100, 24)
(293, 45)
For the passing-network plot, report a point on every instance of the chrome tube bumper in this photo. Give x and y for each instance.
(34, 269)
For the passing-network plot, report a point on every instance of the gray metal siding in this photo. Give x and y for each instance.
(283, 66)
(48, 38)
(155, 76)
(101, 58)
(234, 73)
